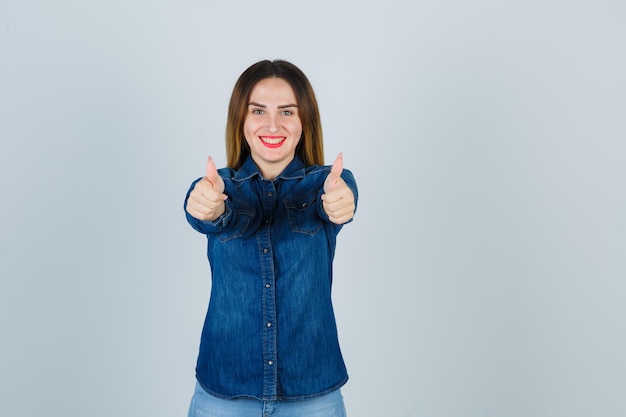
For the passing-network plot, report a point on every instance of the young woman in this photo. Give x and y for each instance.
(269, 343)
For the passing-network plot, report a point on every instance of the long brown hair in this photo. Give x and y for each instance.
(310, 149)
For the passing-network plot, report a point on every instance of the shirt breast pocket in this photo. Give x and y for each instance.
(302, 214)
(238, 225)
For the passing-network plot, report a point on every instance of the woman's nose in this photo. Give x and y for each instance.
(272, 123)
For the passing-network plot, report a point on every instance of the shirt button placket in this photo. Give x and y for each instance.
(264, 236)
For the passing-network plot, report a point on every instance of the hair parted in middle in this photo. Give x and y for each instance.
(310, 149)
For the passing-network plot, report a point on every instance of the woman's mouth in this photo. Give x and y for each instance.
(272, 141)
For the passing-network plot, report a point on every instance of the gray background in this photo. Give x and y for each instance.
(483, 276)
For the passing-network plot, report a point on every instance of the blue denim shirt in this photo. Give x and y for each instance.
(270, 329)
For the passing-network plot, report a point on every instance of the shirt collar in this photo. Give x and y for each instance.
(249, 169)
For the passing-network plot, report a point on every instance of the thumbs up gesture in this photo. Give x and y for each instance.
(338, 199)
(206, 200)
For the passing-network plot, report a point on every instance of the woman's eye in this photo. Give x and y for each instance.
(257, 111)
(287, 113)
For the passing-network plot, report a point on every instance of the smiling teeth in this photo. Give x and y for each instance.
(272, 141)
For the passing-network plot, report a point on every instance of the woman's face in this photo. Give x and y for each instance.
(272, 126)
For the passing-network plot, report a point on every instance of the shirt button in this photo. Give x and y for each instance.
(269, 194)
(270, 363)
(269, 324)
(266, 250)
(267, 285)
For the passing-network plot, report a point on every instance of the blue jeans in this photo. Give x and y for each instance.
(204, 404)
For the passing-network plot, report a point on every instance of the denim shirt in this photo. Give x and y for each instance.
(270, 330)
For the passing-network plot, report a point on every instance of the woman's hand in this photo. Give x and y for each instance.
(206, 200)
(338, 199)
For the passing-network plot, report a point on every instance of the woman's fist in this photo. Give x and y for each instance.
(206, 200)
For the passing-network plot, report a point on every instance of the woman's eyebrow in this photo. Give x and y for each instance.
(263, 106)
